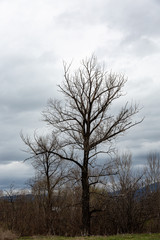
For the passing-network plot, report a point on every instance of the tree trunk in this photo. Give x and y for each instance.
(49, 220)
(85, 203)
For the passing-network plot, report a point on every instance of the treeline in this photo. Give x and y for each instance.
(128, 202)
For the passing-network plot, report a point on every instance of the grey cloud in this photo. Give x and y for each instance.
(143, 138)
(24, 85)
(83, 14)
(138, 18)
(140, 47)
(133, 18)
(138, 22)
(15, 174)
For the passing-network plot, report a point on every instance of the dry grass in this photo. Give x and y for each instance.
(117, 237)
(7, 235)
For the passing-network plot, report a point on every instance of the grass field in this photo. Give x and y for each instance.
(117, 237)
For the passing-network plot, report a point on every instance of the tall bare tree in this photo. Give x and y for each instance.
(84, 124)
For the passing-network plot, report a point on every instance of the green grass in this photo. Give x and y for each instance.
(117, 237)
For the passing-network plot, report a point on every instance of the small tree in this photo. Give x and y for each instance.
(84, 123)
(153, 168)
(49, 169)
(152, 190)
(127, 211)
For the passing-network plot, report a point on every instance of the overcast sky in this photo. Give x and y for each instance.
(37, 35)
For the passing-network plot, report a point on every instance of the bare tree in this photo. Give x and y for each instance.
(153, 168)
(127, 211)
(49, 170)
(152, 190)
(85, 122)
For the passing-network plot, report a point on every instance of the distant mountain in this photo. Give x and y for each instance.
(154, 187)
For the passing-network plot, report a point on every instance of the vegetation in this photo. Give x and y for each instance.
(129, 203)
(116, 237)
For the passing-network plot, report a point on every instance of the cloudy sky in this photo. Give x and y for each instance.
(37, 35)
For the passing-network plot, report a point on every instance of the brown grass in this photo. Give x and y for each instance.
(7, 235)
